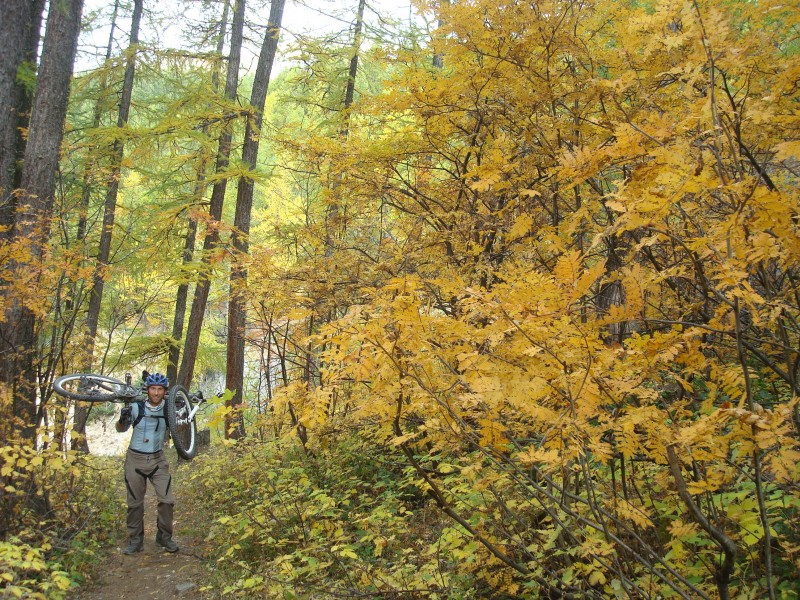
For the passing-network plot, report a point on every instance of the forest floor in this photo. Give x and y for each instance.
(152, 574)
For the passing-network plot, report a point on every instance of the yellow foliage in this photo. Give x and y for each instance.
(523, 276)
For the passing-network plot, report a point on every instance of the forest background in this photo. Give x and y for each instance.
(506, 294)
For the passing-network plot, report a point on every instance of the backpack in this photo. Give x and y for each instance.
(141, 415)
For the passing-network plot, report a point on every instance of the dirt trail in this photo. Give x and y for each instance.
(151, 574)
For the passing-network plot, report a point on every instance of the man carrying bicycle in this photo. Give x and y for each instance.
(145, 461)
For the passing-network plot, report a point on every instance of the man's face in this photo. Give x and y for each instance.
(155, 394)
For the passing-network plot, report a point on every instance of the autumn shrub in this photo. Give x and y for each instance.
(344, 520)
(564, 464)
(58, 508)
(578, 321)
(26, 573)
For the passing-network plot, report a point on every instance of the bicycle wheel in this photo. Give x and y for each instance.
(182, 427)
(92, 388)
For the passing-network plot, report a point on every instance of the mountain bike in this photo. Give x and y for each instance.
(180, 409)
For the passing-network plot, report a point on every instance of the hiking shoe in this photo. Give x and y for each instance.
(134, 546)
(167, 543)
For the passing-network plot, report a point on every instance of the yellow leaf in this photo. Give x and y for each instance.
(597, 577)
(787, 150)
(568, 268)
(521, 227)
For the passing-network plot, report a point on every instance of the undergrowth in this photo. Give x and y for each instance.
(58, 509)
(344, 521)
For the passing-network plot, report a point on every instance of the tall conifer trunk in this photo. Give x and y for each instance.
(350, 89)
(20, 33)
(191, 231)
(81, 411)
(91, 163)
(215, 209)
(237, 315)
(334, 224)
(332, 214)
(109, 212)
(32, 219)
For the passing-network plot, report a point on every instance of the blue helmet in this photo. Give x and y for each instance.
(156, 379)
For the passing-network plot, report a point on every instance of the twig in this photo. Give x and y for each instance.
(723, 575)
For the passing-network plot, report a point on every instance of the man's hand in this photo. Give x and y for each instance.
(125, 416)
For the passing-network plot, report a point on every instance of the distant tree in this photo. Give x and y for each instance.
(97, 114)
(199, 190)
(237, 315)
(211, 238)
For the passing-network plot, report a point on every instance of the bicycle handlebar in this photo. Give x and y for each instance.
(200, 398)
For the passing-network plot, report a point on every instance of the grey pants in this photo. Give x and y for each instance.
(139, 468)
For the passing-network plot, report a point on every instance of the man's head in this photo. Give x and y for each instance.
(157, 385)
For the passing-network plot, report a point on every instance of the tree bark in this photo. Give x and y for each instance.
(19, 32)
(237, 314)
(33, 216)
(211, 238)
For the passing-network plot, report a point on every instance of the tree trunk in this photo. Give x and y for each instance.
(237, 315)
(183, 289)
(33, 217)
(332, 213)
(19, 32)
(118, 149)
(215, 209)
(106, 234)
(349, 93)
(191, 231)
(81, 412)
(91, 163)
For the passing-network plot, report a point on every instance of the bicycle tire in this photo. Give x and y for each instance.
(92, 388)
(182, 429)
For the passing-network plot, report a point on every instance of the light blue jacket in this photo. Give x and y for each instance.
(148, 435)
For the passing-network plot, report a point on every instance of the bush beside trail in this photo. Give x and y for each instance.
(58, 510)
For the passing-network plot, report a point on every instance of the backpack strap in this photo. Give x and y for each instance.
(139, 416)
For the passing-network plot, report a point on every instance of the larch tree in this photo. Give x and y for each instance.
(109, 209)
(81, 411)
(211, 237)
(97, 115)
(237, 311)
(199, 190)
